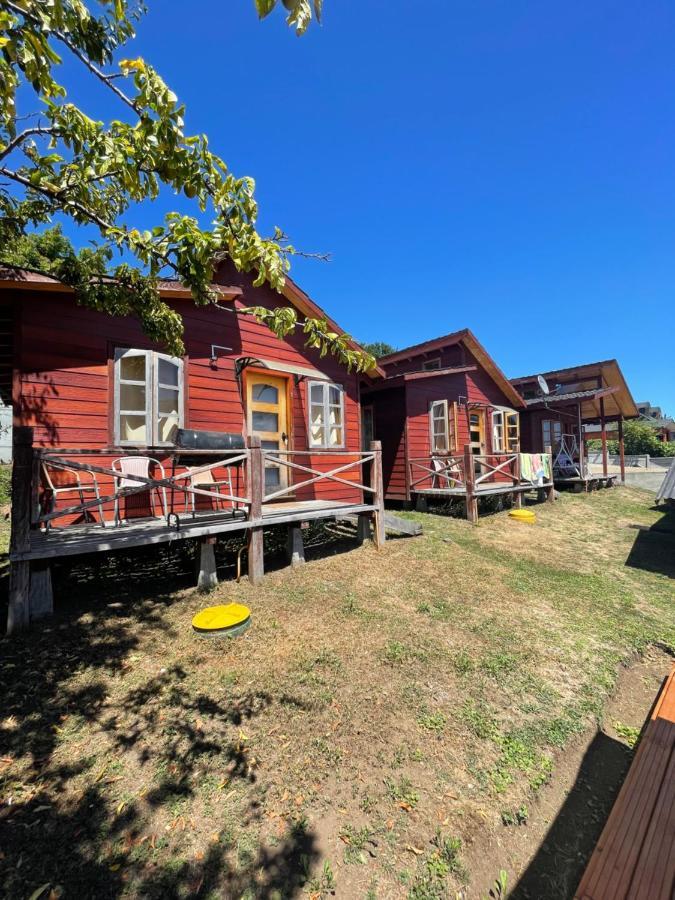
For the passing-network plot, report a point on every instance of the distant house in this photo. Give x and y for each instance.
(663, 425)
(564, 404)
(449, 421)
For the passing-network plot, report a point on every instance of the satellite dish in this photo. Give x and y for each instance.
(543, 385)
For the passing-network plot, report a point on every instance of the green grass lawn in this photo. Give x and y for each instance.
(385, 712)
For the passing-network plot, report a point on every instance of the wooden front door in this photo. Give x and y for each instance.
(477, 434)
(267, 408)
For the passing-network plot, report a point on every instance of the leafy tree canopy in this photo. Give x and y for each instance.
(639, 438)
(56, 158)
(48, 251)
(378, 349)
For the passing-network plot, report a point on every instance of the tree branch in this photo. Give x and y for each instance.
(13, 144)
(75, 50)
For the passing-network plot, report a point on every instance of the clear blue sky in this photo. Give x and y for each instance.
(507, 166)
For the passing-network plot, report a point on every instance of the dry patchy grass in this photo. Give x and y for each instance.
(380, 715)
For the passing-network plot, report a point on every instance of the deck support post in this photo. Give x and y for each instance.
(469, 479)
(517, 495)
(622, 452)
(19, 612)
(603, 436)
(256, 478)
(379, 535)
(41, 595)
(295, 548)
(363, 528)
(421, 504)
(207, 575)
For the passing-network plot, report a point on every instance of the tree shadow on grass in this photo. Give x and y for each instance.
(64, 821)
(558, 865)
(654, 548)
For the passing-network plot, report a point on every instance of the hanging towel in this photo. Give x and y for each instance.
(526, 471)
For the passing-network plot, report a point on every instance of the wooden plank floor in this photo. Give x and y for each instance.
(481, 490)
(635, 856)
(78, 539)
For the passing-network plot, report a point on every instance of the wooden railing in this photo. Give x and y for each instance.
(496, 467)
(439, 471)
(355, 463)
(78, 462)
(469, 475)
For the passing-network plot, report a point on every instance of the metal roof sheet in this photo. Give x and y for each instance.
(667, 489)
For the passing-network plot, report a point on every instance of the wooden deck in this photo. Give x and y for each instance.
(483, 490)
(93, 538)
(635, 856)
(589, 482)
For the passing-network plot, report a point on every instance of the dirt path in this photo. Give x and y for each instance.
(546, 856)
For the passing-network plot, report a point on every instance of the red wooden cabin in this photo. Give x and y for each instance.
(94, 388)
(561, 406)
(449, 423)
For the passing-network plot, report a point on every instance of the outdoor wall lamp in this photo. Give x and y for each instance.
(214, 354)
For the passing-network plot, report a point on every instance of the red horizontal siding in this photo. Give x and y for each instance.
(66, 395)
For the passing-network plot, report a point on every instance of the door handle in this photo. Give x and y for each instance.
(284, 437)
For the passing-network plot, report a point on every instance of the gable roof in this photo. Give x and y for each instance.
(466, 337)
(15, 278)
(618, 400)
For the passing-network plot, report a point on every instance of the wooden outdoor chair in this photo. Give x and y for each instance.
(62, 480)
(444, 472)
(141, 466)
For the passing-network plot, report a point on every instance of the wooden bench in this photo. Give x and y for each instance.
(635, 856)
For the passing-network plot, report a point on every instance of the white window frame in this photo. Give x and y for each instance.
(325, 426)
(500, 429)
(152, 386)
(430, 365)
(442, 404)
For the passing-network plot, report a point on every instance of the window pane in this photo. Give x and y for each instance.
(316, 393)
(265, 393)
(132, 428)
(167, 429)
(316, 415)
(317, 435)
(335, 437)
(334, 395)
(168, 372)
(272, 477)
(132, 397)
(269, 445)
(132, 368)
(335, 416)
(168, 401)
(265, 421)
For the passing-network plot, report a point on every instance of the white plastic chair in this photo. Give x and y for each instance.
(62, 480)
(204, 481)
(137, 465)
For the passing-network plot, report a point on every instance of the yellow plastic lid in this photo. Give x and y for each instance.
(525, 515)
(225, 618)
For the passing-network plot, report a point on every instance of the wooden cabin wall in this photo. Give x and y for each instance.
(452, 355)
(63, 380)
(532, 437)
(419, 396)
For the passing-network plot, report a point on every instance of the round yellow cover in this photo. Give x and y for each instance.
(220, 618)
(524, 515)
